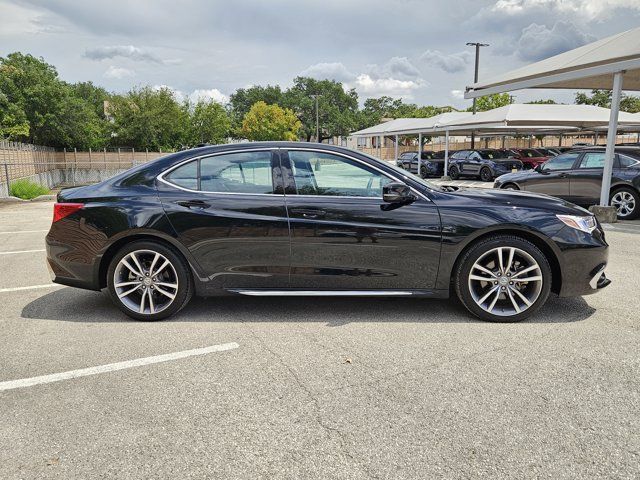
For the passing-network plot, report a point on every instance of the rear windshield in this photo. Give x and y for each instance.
(491, 154)
(529, 153)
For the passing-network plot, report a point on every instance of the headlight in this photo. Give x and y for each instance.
(586, 224)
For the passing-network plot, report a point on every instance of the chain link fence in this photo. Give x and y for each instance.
(53, 169)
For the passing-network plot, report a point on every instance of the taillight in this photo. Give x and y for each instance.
(61, 210)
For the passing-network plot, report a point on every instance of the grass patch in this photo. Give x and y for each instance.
(27, 190)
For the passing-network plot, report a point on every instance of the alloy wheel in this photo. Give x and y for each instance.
(624, 202)
(505, 281)
(145, 282)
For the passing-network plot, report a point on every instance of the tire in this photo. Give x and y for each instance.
(156, 305)
(627, 202)
(496, 300)
(423, 172)
(510, 186)
(454, 173)
(485, 174)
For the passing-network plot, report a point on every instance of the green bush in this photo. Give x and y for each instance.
(27, 190)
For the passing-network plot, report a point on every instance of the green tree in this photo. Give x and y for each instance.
(209, 123)
(243, 99)
(602, 98)
(149, 118)
(54, 114)
(548, 101)
(270, 122)
(338, 110)
(489, 102)
(13, 121)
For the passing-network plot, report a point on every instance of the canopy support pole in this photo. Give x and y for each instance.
(446, 154)
(380, 140)
(396, 152)
(419, 153)
(611, 139)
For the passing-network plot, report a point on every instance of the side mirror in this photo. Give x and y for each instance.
(539, 168)
(396, 192)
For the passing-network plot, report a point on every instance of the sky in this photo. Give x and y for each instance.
(409, 49)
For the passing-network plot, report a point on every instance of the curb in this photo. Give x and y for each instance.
(41, 198)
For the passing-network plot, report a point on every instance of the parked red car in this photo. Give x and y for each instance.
(529, 157)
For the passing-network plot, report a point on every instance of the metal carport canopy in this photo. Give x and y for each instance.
(605, 64)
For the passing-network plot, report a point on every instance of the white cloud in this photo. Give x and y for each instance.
(392, 87)
(587, 9)
(329, 70)
(538, 41)
(397, 67)
(124, 51)
(451, 63)
(457, 94)
(210, 95)
(118, 72)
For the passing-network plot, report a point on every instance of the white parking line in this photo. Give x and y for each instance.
(83, 372)
(31, 287)
(22, 251)
(23, 231)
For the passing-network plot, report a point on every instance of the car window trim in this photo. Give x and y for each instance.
(330, 152)
(161, 178)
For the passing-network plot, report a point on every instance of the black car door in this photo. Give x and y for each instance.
(586, 179)
(553, 178)
(344, 237)
(229, 210)
(472, 163)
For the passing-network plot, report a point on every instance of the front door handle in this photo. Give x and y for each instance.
(309, 212)
(193, 204)
(563, 175)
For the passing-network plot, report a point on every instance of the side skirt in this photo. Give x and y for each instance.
(341, 293)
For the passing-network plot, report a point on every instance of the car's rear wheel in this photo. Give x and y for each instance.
(454, 173)
(485, 174)
(503, 278)
(627, 203)
(149, 281)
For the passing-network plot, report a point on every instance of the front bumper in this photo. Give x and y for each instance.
(583, 261)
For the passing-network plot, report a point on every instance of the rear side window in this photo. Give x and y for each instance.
(241, 172)
(244, 172)
(626, 161)
(592, 160)
(185, 176)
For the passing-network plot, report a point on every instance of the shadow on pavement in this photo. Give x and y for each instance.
(73, 305)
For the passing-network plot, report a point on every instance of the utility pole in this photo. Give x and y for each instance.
(315, 97)
(475, 79)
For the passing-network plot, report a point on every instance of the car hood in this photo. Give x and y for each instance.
(522, 199)
(517, 176)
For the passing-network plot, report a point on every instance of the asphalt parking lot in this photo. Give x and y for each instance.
(313, 388)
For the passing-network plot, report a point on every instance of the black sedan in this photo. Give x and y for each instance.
(484, 164)
(299, 219)
(576, 176)
(431, 163)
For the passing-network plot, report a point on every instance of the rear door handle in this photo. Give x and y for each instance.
(193, 204)
(309, 212)
(563, 175)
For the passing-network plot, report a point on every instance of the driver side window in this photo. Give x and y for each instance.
(561, 162)
(319, 173)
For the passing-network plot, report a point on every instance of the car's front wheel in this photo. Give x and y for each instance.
(627, 203)
(503, 278)
(454, 173)
(423, 172)
(485, 174)
(149, 281)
